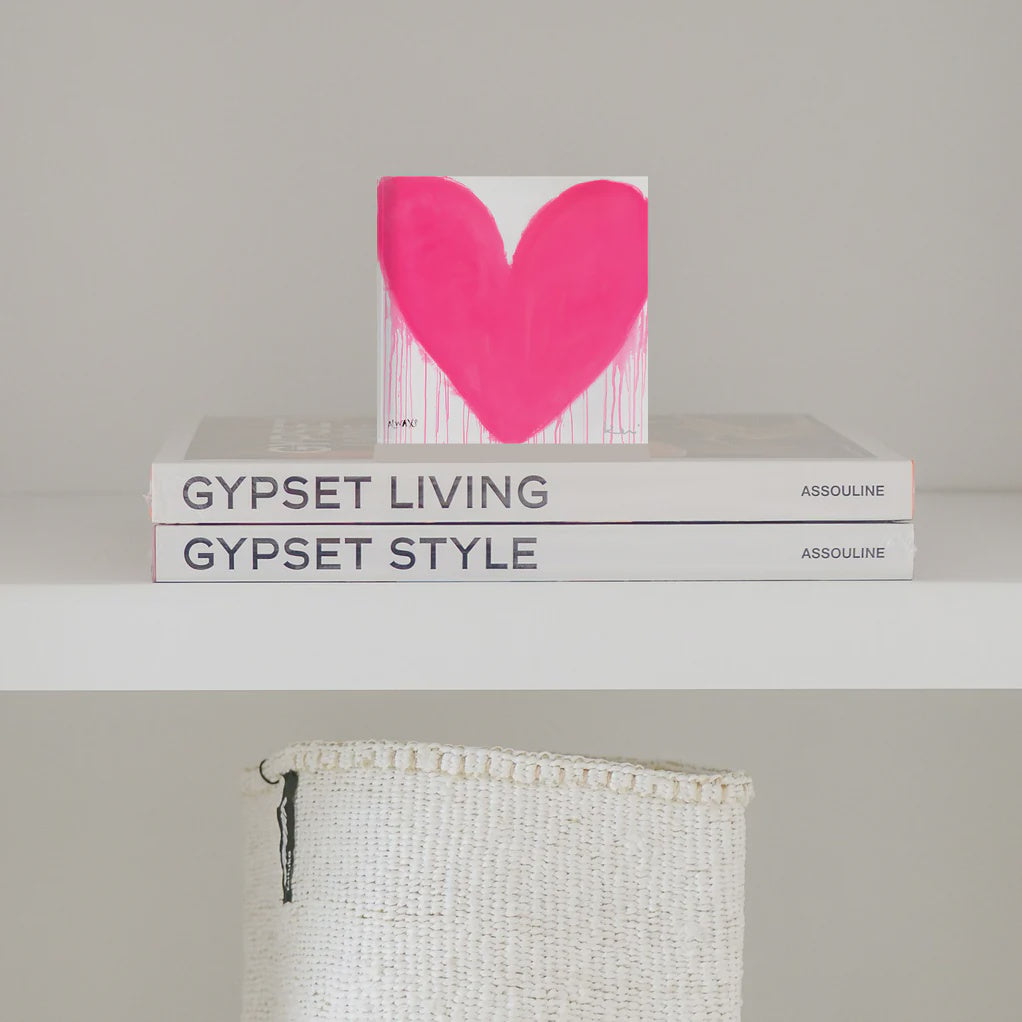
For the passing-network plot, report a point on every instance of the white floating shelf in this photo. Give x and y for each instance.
(77, 611)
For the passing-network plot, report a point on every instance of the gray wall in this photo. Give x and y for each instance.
(187, 206)
(884, 839)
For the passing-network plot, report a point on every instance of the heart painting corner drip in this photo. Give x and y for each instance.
(485, 340)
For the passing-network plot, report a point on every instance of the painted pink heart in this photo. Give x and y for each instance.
(518, 342)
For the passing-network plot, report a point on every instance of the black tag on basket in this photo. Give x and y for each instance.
(286, 820)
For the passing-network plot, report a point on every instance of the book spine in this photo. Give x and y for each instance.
(641, 491)
(495, 552)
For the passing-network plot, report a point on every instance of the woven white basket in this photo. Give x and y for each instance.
(431, 882)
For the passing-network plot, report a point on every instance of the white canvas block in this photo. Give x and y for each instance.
(578, 302)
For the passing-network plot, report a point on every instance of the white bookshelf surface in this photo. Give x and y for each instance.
(78, 611)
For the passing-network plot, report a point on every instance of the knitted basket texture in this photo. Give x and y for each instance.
(432, 882)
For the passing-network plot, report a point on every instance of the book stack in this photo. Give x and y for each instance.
(708, 497)
(512, 438)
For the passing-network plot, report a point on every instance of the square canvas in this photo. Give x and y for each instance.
(512, 310)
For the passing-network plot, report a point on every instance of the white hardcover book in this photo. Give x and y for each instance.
(522, 553)
(696, 468)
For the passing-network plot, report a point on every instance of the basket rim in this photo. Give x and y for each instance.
(665, 781)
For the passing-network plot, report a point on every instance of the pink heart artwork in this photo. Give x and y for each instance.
(520, 339)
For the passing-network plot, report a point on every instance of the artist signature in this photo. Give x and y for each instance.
(620, 432)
